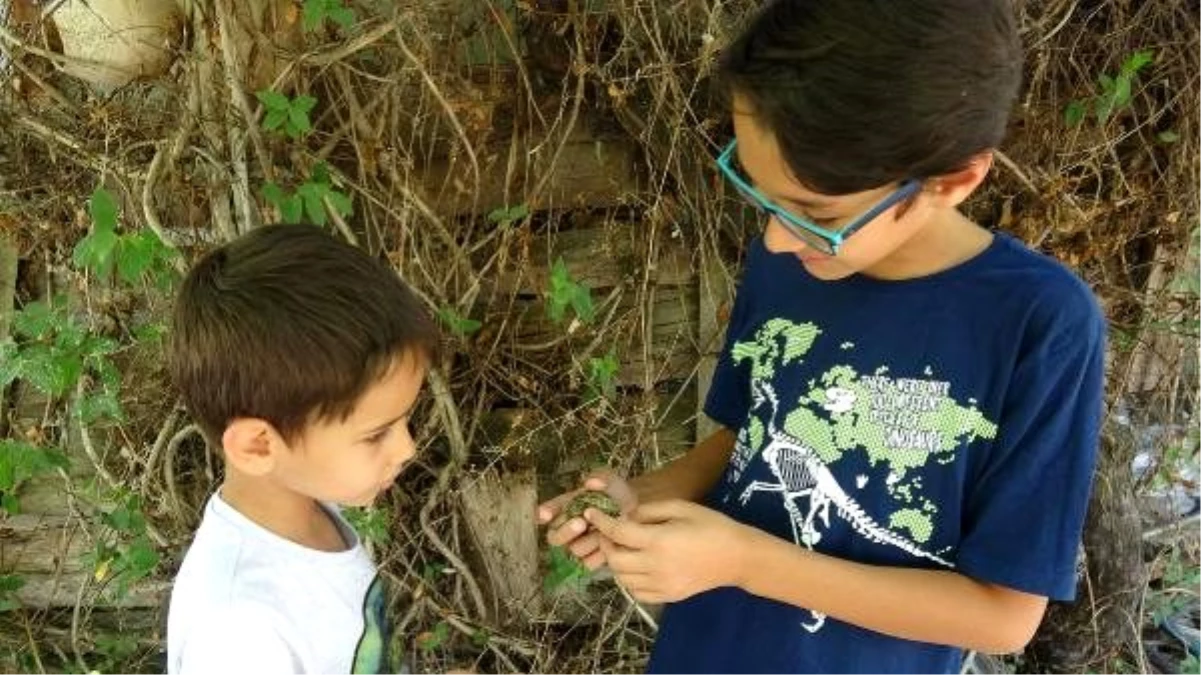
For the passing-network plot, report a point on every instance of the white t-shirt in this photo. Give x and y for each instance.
(248, 600)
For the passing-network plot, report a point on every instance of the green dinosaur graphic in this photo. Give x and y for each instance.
(371, 654)
(900, 424)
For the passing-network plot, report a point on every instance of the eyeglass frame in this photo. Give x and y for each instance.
(828, 242)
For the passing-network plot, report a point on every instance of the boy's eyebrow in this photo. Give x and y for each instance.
(795, 201)
(806, 203)
(394, 420)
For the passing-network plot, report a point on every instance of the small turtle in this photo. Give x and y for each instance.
(582, 502)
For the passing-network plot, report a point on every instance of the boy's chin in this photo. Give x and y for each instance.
(825, 268)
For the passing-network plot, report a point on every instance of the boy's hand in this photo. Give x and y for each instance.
(575, 534)
(671, 550)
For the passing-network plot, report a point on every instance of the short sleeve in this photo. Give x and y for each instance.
(1025, 511)
(246, 638)
(728, 399)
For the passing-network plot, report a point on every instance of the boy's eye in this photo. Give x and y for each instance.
(378, 436)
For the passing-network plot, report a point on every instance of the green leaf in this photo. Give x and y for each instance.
(292, 209)
(508, 215)
(273, 193)
(581, 302)
(299, 120)
(320, 174)
(1074, 113)
(314, 13)
(314, 208)
(1137, 61)
(273, 100)
(1167, 137)
(103, 207)
(304, 103)
(103, 405)
(274, 120)
(457, 324)
(36, 321)
(342, 16)
(341, 203)
(136, 254)
(49, 371)
(9, 503)
(95, 251)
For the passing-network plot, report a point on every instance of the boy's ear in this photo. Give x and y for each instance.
(251, 445)
(951, 189)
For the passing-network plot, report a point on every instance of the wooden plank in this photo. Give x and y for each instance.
(48, 554)
(592, 173)
(40, 544)
(673, 353)
(716, 298)
(601, 256)
(8, 287)
(499, 514)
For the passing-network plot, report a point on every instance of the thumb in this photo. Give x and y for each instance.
(663, 511)
(614, 486)
(624, 532)
(550, 508)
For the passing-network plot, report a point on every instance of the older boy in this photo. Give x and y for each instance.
(910, 402)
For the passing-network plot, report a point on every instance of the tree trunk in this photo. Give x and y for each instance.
(1082, 636)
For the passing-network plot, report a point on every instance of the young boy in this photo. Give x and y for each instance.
(910, 402)
(300, 357)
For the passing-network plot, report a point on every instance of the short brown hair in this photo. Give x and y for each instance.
(289, 325)
(863, 93)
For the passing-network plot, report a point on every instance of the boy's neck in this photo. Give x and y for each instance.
(948, 240)
(291, 515)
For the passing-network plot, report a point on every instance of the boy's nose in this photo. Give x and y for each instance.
(778, 239)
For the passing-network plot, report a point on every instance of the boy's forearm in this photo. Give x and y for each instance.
(938, 606)
(690, 476)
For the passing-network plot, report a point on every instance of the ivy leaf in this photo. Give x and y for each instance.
(95, 251)
(103, 208)
(342, 16)
(341, 203)
(273, 193)
(581, 302)
(136, 254)
(304, 103)
(292, 210)
(101, 406)
(35, 321)
(274, 119)
(299, 120)
(459, 325)
(1074, 113)
(273, 100)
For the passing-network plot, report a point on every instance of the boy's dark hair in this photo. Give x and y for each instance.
(862, 93)
(290, 325)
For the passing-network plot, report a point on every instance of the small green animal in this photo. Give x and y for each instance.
(582, 502)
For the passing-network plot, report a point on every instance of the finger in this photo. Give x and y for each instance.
(550, 508)
(624, 560)
(566, 533)
(624, 532)
(614, 486)
(595, 561)
(585, 546)
(661, 512)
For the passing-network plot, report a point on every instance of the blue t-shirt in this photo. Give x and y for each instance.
(945, 422)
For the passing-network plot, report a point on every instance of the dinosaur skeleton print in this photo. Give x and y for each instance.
(898, 427)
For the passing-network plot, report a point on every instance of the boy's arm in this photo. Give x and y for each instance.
(655, 552)
(937, 606)
(690, 476)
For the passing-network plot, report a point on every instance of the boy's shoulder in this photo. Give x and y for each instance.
(241, 585)
(234, 560)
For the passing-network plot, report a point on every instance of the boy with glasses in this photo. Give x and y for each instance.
(910, 403)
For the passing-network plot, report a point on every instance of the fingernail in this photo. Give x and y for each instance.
(578, 526)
